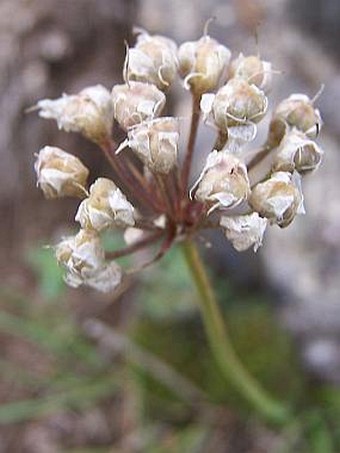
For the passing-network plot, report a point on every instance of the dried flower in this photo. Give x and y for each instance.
(59, 174)
(152, 60)
(105, 207)
(278, 199)
(155, 142)
(298, 111)
(90, 112)
(136, 102)
(223, 182)
(253, 70)
(203, 64)
(82, 256)
(244, 231)
(297, 152)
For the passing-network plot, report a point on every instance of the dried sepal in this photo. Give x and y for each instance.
(90, 112)
(279, 198)
(203, 64)
(152, 60)
(244, 231)
(297, 152)
(298, 111)
(135, 102)
(155, 142)
(105, 207)
(60, 174)
(253, 70)
(223, 182)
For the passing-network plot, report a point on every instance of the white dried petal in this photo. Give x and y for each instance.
(106, 279)
(298, 111)
(203, 64)
(152, 60)
(105, 207)
(156, 143)
(223, 182)
(133, 235)
(278, 199)
(90, 112)
(297, 152)
(60, 174)
(136, 102)
(244, 231)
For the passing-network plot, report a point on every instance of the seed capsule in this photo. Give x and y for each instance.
(298, 111)
(59, 174)
(297, 152)
(152, 60)
(254, 70)
(136, 102)
(278, 199)
(105, 207)
(223, 182)
(244, 231)
(90, 112)
(156, 143)
(203, 64)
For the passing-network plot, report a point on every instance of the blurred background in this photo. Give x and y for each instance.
(83, 372)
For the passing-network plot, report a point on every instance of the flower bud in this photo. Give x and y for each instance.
(244, 231)
(203, 64)
(59, 174)
(253, 70)
(298, 111)
(136, 102)
(156, 143)
(278, 199)
(90, 112)
(106, 206)
(297, 152)
(152, 60)
(83, 258)
(223, 182)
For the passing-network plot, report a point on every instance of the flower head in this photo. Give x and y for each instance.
(254, 70)
(244, 231)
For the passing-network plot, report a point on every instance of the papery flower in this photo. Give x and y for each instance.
(105, 207)
(254, 70)
(152, 60)
(203, 64)
(90, 112)
(135, 102)
(223, 182)
(297, 152)
(244, 231)
(278, 199)
(155, 142)
(83, 259)
(298, 111)
(235, 108)
(60, 174)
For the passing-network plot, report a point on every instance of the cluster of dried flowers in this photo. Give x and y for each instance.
(231, 97)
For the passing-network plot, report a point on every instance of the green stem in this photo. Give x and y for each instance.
(221, 346)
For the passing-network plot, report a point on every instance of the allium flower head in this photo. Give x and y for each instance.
(156, 173)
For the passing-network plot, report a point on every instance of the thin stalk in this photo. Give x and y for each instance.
(220, 344)
(134, 247)
(195, 118)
